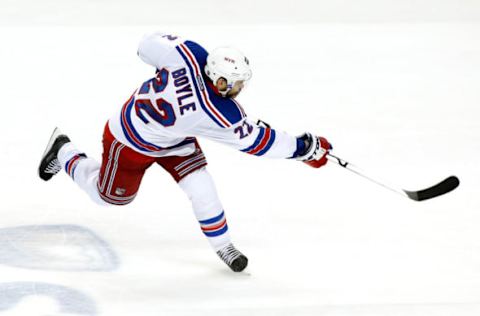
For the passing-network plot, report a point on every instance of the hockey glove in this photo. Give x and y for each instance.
(316, 150)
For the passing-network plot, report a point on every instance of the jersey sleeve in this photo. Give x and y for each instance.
(154, 48)
(252, 139)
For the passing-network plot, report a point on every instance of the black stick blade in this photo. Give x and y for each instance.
(447, 185)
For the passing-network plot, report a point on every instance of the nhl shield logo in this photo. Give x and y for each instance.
(120, 191)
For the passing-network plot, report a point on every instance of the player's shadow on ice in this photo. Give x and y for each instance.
(56, 247)
(68, 301)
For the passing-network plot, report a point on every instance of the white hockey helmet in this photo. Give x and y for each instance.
(229, 63)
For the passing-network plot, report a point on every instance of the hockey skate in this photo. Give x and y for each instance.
(233, 258)
(49, 165)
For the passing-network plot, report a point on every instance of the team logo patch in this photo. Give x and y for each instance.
(120, 191)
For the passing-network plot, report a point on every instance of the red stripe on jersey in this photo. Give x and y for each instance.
(263, 143)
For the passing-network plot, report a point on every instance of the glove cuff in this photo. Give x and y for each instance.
(312, 148)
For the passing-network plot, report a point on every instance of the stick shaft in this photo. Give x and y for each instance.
(352, 168)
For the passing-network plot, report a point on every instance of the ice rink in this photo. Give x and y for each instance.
(397, 94)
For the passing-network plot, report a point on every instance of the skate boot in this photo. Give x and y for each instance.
(233, 258)
(49, 165)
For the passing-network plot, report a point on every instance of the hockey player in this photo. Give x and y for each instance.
(192, 94)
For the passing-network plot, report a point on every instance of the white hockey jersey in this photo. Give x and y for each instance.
(164, 115)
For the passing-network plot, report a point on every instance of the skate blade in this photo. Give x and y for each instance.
(51, 141)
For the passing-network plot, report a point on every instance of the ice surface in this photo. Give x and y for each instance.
(55, 247)
(397, 98)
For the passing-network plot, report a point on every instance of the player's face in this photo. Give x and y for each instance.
(236, 89)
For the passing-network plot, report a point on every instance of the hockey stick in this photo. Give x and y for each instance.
(438, 189)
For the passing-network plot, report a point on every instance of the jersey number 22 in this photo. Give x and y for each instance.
(162, 111)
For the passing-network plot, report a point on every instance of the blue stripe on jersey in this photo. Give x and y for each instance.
(125, 132)
(199, 52)
(226, 106)
(213, 219)
(139, 145)
(229, 109)
(257, 141)
(269, 144)
(195, 84)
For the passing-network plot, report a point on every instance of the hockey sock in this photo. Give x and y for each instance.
(208, 210)
(216, 230)
(84, 171)
(72, 163)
